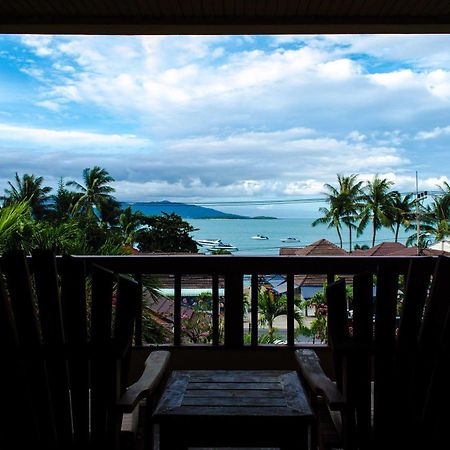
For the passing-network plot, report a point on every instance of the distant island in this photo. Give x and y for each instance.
(184, 210)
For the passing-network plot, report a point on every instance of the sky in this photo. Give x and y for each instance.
(237, 118)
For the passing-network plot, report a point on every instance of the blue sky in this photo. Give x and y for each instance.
(206, 118)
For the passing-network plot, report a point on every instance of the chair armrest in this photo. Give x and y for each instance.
(317, 380)
(155, 367)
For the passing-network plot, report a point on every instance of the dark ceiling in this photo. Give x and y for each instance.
(224, 16)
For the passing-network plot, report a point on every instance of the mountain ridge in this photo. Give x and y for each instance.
(185, 210)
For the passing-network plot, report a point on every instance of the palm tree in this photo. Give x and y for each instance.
(377, 207)
(436, 218)
(401, 211)
(130, 222)
(29, 188)
(95, 190)
(271, 306)
(331, 218)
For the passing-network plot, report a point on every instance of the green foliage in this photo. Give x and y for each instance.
(272, 305)
(28, 188)
(166, 233)
(15, 226)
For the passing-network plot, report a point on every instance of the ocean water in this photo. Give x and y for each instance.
(239, 232)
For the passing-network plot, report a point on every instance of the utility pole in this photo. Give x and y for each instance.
(419, 196)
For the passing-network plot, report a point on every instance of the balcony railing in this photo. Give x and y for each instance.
(232, 270)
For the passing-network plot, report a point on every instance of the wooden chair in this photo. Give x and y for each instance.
(65, 346)
(391, 386)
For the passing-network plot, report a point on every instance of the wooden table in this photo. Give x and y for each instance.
(219, 408)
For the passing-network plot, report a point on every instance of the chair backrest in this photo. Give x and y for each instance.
(390, 356)
(65, 340)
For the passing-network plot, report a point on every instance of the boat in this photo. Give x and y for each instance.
(222, 246)
(260, 237)
(208, 242)
(289, 239)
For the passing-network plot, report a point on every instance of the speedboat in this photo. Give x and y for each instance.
(208, 242)
(289, 239)
(260, 237)
(222, 246)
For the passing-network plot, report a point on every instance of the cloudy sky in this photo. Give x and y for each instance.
(236, 118)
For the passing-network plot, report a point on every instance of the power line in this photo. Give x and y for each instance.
(291, 201)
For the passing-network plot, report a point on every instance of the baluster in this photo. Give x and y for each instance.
(254, 309)
(215, 309)
(290, 309)
(139, 308)
(234, 310)
(177, 310)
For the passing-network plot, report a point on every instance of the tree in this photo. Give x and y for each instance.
(377, 207)
(29, 188)
(344, 203)
(401, 211)
(331, 217)
(271, 306)
(14, 226)
(129, 224)
(94, 192)
(166, 233)
(62, 203)
(435, 221)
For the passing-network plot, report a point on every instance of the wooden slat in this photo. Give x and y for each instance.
(16, 394)
(139, 309)
(208, 393)
(385, 330)
(338, 332)
(101, 365)
(177, 310)
(254, 309)
(20, 290)
(359, 366)
(290, 308)
(51, 321)
(233, 401)
(431, 333)
(234, 310)
(215, 310)
(417, 283)
(73, 299)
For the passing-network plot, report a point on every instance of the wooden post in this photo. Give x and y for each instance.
(234, 310)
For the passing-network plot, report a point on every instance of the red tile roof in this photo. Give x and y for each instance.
(383, 249)
(322, 247)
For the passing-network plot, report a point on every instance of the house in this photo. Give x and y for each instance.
(309, 285)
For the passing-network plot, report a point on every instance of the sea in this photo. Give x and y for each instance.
(239, 232)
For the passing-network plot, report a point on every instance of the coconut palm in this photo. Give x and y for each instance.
(435, 219)
(94, 192)
(14, 221)
(271, 306)
(129, 223)
(331, 218)
(402, 210)
(377, 206)
(344, 203)
(29, 188)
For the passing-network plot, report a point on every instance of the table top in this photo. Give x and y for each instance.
(262, 393)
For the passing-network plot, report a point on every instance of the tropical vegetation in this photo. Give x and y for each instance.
(84, 218)
(355, 205)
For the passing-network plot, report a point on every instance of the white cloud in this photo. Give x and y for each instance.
(434, 133)
(28, 136)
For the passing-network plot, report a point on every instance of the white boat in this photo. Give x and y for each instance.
(289, 239)
(223, 246)
(260, 237)
(208, 242)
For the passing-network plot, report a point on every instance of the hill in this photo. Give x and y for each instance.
(184, 210)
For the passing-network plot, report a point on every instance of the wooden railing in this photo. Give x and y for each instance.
(232, 270)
